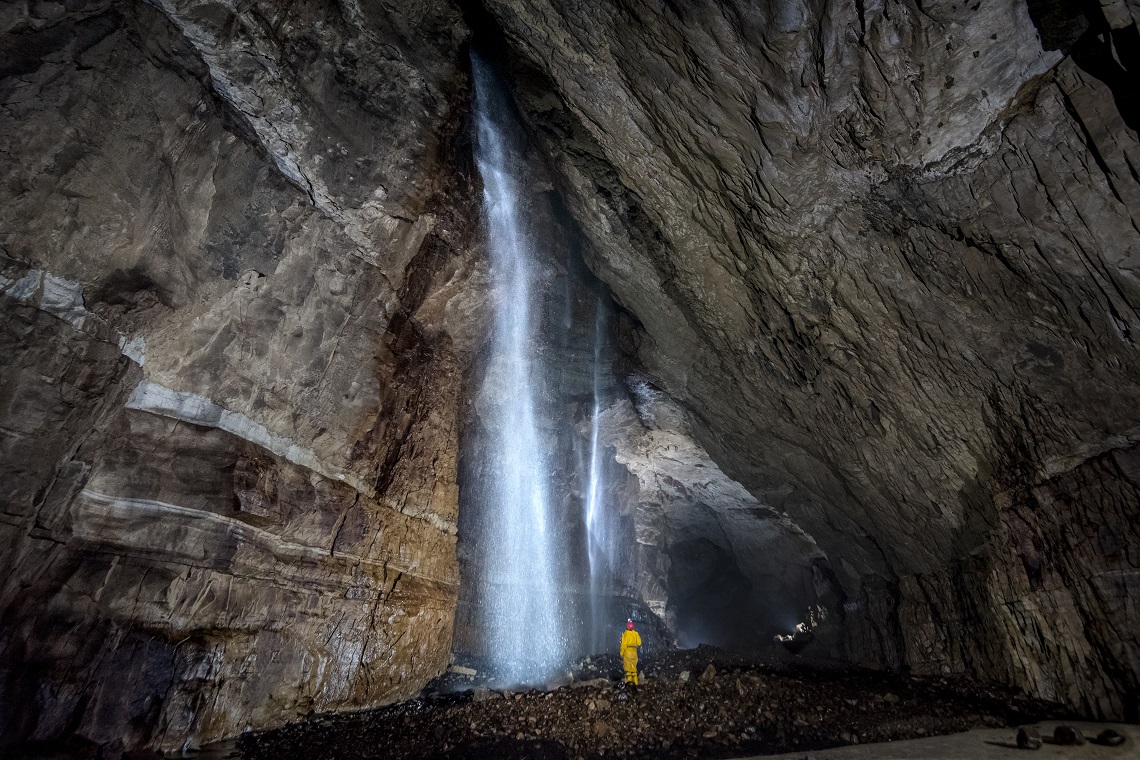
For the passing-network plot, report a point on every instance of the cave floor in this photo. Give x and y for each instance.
(746, 707)
(981, 744)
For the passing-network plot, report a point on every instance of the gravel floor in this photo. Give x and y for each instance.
(736, 707)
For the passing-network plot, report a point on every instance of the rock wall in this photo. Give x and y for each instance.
(886, 253)
(716, 564)
(880, 257)
(238, 299)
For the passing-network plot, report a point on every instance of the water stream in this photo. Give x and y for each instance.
(525, 566)
(599, 537)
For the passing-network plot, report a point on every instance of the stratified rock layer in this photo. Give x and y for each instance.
(234, 331)
(886, 252)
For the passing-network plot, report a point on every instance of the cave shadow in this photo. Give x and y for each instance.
(1079, 29)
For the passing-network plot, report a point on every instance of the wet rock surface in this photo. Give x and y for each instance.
(742, 706)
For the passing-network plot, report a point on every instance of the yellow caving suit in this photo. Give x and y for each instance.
(630, 641)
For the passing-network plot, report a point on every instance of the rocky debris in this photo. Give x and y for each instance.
(482, 694)
(595, 683)
(741, 710)
(1028, 738)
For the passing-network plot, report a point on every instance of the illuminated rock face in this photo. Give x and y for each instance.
(235, 321)
(876, 260)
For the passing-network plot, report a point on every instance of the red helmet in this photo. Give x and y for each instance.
(629, 625)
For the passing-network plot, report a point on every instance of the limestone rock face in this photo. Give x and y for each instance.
(237, 300)
(715, 563)
(886, 253)
(874, 319)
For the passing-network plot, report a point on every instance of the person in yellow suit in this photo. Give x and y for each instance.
(630, 641)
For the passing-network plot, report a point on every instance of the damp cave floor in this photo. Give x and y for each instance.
(741, 707)
(729, 706)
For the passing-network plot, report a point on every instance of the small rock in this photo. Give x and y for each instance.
(558, 681)
(459, 669)
(1068, 736)
(708, 675)
(1028, 738)
(890, 698)
(684, 677)
(709, 734)
(593, 682)
(1109, 738)
(481, 694)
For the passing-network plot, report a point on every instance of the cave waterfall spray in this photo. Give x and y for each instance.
(523, 622)
(599, 546)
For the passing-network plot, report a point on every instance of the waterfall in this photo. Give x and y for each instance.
(597, 535)
(523, 549)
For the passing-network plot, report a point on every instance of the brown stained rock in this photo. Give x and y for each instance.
(708, 675)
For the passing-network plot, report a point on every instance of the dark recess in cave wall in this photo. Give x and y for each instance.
(1079, 28)
(487, 38)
